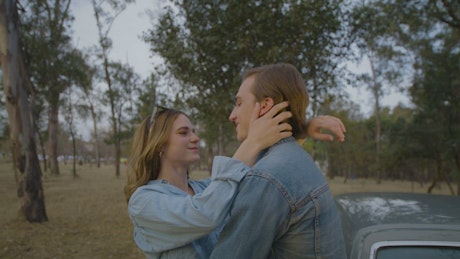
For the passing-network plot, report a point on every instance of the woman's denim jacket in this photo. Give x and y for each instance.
(283, 209)
(169, 223)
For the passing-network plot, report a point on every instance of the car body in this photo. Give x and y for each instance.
(400, 225)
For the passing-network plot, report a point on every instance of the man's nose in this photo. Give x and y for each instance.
(232, 116)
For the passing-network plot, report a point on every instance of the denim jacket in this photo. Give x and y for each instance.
(169, 223)
(283, 209)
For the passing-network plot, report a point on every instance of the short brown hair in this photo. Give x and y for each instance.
(282, 82)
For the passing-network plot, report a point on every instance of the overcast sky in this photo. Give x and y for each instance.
(125, 33)
(129, 48)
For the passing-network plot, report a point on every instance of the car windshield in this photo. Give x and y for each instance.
(418, 252)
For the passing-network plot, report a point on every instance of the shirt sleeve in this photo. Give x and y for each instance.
(258, 211)
(163, 221)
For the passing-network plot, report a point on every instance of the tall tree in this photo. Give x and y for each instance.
(431, 32)
(106, 12)
(69, 117)
(50, 59)
(89, 102)
(120, 98)
(374, 36)
(435, 92)
(15, 83)
(208, 55)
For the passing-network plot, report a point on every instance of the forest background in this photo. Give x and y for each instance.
(202, 47)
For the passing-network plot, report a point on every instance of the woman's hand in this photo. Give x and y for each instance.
(263, 132)
(317, 125)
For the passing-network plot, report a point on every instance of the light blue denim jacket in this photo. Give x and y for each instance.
(169, 223)
(283, 209)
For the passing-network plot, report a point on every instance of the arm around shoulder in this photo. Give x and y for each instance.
(258, 212)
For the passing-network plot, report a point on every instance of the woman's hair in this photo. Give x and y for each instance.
(144, 163)
(282, 82)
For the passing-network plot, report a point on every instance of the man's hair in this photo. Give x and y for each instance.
(282, 82)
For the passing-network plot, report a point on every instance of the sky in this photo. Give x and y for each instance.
(128, 46)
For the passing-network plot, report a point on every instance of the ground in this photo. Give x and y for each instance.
(88, 215)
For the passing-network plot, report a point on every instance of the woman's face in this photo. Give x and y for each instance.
(182, 146)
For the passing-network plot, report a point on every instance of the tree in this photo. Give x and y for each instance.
(374, 36)
(430, 31)
(15, 83)
(120, 97)
(51, 60)
(435, 92)
(69, 118)
(207, 56)
(105, 13)
(91, 97)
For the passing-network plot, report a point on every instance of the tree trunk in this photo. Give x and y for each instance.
(20, 119)
(376, 93)
(458, 187)
(42, 148)
(457, 164)
(438, 174)
(74, 152)
(96, 136)
(53, 140)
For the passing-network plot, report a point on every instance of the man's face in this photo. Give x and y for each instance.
(244, 106)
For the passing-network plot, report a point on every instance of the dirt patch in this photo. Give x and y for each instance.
(88, 216)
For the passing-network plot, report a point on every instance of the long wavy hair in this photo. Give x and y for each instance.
(144, 163)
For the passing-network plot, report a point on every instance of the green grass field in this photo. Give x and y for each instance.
(88, 215)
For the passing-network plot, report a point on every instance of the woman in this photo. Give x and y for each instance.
(159, 189)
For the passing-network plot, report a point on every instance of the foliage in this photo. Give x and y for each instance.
(411, 45)
(118, 78)
(208, 55)
(53, 63)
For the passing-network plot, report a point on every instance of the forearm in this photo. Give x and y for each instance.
(247, 153)
(254, 221)
(184, 218)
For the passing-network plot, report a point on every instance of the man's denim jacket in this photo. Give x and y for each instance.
(283, 209)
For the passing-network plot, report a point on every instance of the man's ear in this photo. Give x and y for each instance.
(265, 105)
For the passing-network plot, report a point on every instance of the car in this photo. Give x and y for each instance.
(400, 225)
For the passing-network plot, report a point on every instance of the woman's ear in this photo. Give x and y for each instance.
(265, 105)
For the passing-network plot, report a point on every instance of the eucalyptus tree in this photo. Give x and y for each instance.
(207, 44)
(374, 34)
(120, 98)
(69, 118)
(90, 106)
(147, 96)
(15, 83)
(51, 59)
(437, 97)
(446, 11)
(106, 12)
(431, 32)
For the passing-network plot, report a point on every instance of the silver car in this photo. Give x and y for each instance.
(400, 225)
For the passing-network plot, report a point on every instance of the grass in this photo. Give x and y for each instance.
(88, 215)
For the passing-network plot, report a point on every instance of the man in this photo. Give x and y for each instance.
(284, 208)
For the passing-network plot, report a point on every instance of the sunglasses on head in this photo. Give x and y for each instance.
(157, 110)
